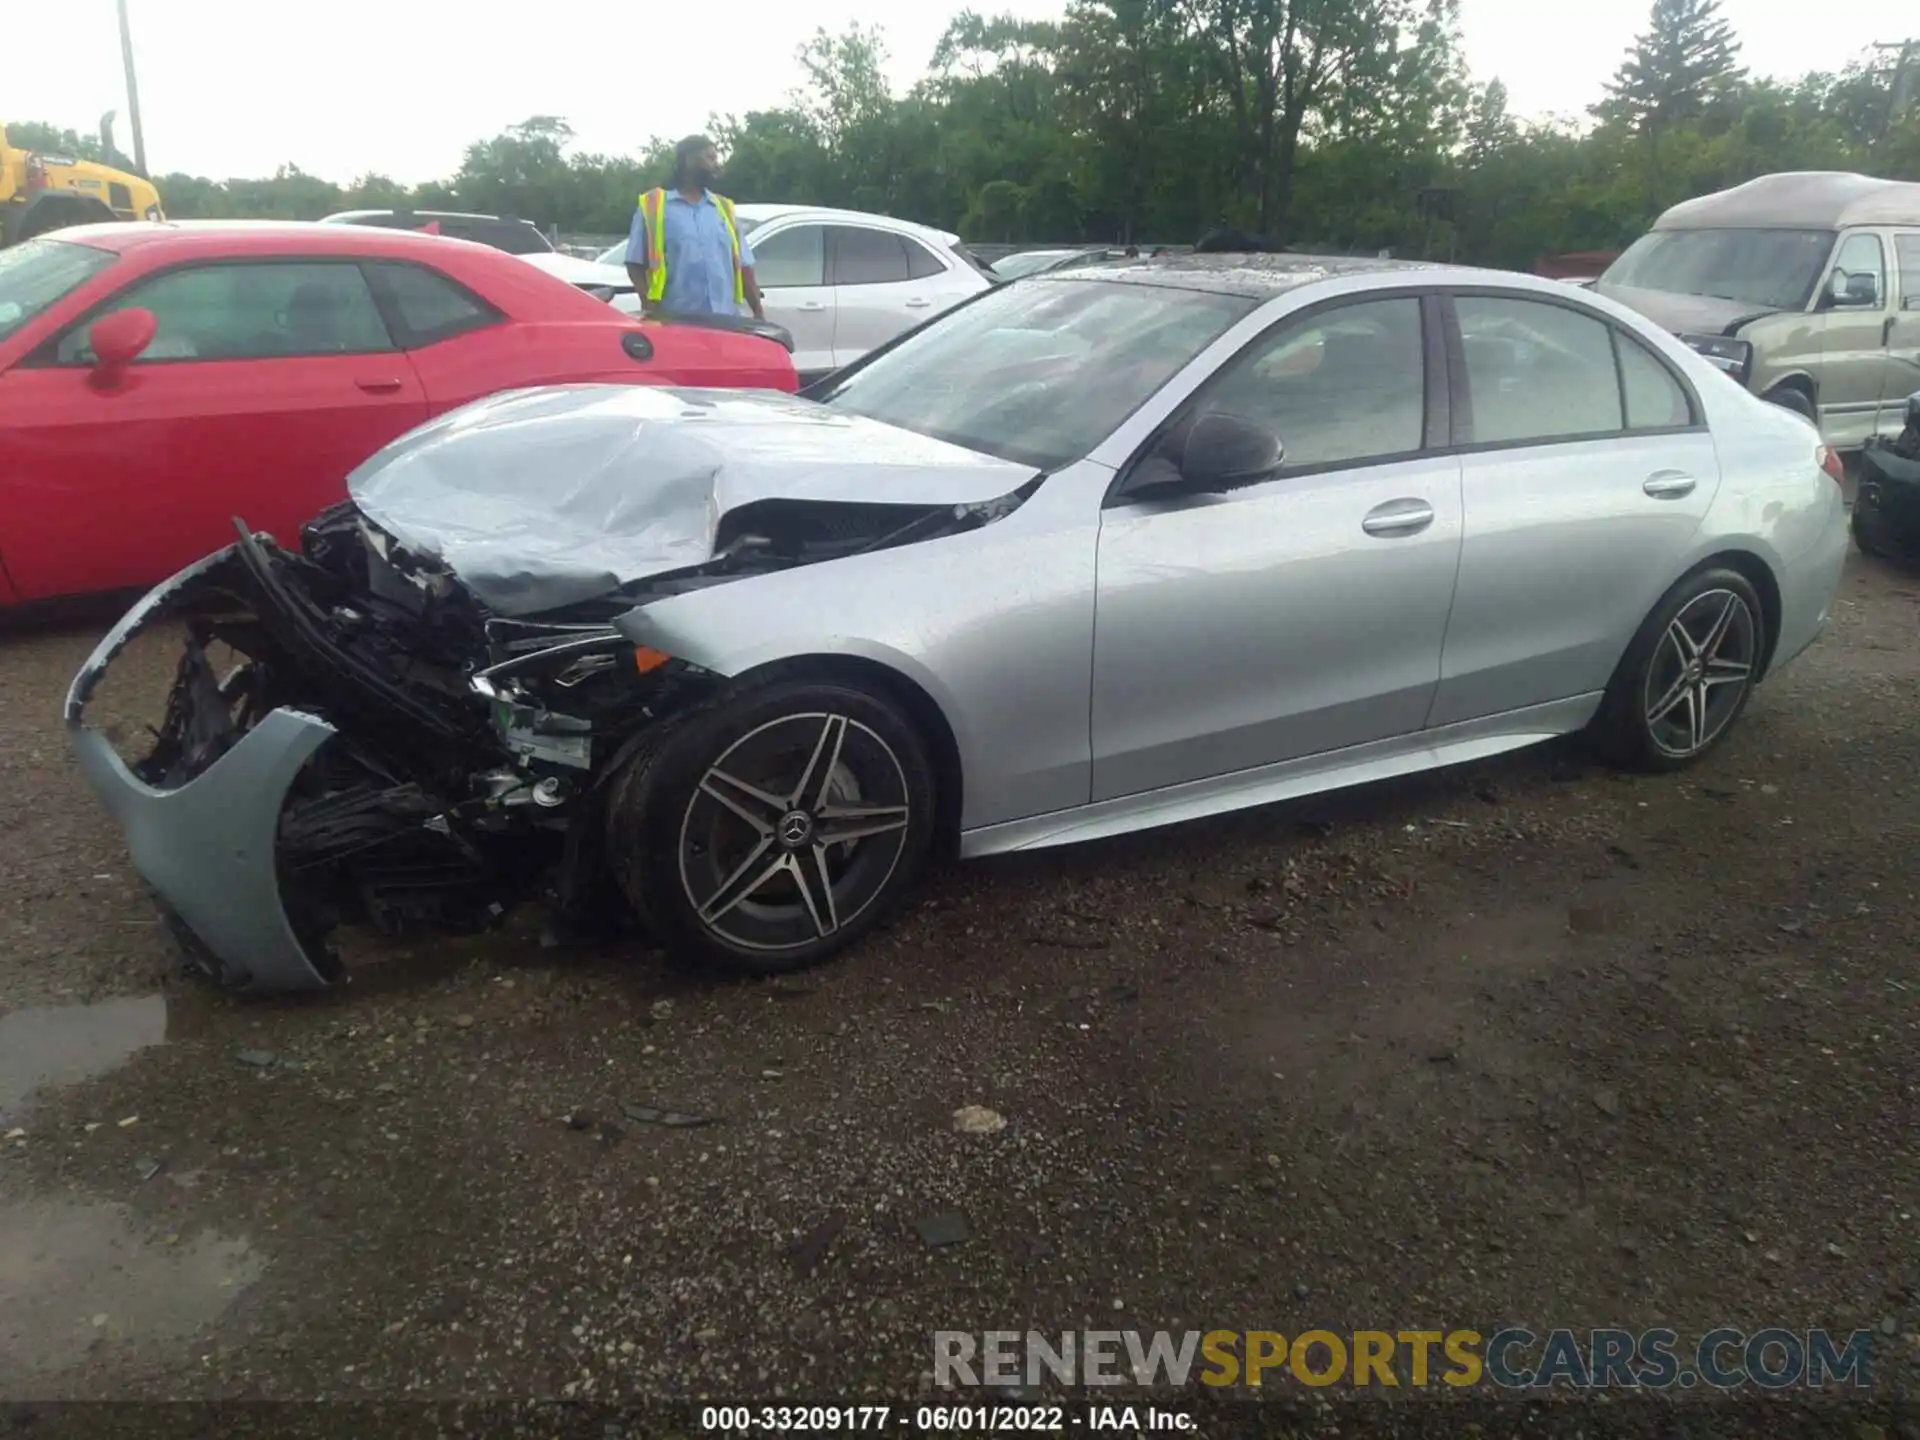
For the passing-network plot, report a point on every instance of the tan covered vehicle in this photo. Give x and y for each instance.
(1805, 287)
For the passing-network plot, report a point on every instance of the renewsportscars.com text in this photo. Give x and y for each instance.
(1511, 1358)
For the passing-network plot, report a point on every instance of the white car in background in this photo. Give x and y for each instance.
(603, 279)
(843, 282)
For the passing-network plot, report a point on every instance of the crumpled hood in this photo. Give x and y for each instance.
(537, 499)
(1686, 314)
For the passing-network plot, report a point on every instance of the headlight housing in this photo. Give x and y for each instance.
(1734, 357)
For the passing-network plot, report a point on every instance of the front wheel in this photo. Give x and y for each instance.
(1792, 397)
(1687, 675)
(771, 831)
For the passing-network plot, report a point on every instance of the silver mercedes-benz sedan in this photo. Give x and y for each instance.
(1097, 552)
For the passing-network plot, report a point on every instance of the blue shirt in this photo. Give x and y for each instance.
(699, 256)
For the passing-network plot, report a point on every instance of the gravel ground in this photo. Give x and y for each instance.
(1527, 1042)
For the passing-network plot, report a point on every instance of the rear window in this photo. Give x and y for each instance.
(37, 273)
(427, 306)
(514, 237)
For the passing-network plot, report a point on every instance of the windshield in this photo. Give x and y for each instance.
(1768, 269)
(1041, 373)
(36, 273)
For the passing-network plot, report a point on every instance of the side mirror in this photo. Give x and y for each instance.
(117, 340)
(1853, 290)
(1226, 452)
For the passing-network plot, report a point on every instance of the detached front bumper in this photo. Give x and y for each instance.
(208, 846)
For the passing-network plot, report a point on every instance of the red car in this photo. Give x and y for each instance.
(158, 380)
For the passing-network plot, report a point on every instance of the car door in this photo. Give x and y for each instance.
(790, 265)
(1586, 471)
(1302, 614)
(875, 289)
(266, 382)
(1903, 335)
(1853, 344)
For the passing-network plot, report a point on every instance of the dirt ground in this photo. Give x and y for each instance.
(1528, 1042)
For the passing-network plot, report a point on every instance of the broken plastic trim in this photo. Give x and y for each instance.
(209, 848)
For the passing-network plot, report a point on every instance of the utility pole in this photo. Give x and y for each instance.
(133, 94)
(1906, 79)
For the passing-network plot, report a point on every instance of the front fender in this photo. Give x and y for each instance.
(995, 625)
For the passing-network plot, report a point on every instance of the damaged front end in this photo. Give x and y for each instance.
(353, 738)
(351, 765)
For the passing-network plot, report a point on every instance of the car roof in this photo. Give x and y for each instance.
(1256, 276)
(1799, 199)
(763, 213)
(343, 216)
(259, 237)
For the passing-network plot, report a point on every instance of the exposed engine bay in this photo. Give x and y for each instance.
(439, 761)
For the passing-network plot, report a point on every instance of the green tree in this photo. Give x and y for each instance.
(52, 140)
(1688, 58)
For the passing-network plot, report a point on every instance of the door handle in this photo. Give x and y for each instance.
(917, 303)
(1669, 484)
(1886, 329)
(1398, 517)
(812, 307)
(380, 387)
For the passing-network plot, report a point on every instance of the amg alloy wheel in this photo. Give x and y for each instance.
(1701, 672)
(772, 831)
(1687, 675)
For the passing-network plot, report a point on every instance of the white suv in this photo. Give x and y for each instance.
(842, 282)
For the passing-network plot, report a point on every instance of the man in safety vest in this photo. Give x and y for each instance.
(685, 251)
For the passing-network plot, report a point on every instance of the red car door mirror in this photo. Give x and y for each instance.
(117, 339)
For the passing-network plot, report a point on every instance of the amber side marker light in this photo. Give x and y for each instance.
(647, 661)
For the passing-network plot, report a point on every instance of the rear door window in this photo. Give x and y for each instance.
(868, 257)
(1537, 371)
(425, 306)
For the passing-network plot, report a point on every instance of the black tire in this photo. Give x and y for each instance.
(1792, 397)
(676, 846)
(1641, 725)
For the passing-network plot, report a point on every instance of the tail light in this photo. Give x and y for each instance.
(1830, 462)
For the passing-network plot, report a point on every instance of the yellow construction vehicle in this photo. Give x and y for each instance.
(42, 192)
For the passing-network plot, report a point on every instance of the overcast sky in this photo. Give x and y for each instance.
(239, 87)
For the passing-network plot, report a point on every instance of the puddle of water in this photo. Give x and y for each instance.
(54, 1045)
(81, 1287)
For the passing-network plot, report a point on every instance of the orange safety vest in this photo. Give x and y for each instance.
(653, 208)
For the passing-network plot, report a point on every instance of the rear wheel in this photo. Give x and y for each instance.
(771, 831)
(1687, 675)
